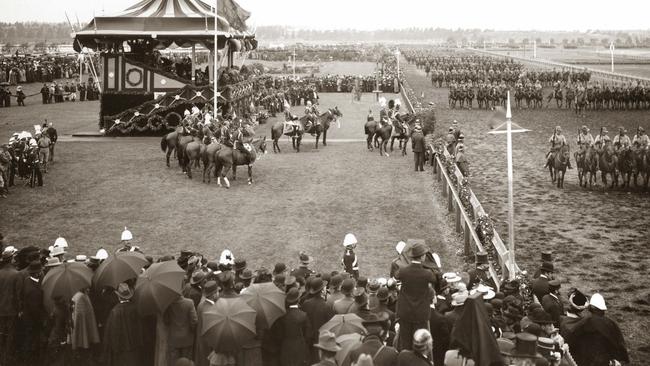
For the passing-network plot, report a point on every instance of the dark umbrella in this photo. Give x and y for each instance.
(119, 268)
(228, 324)
(341, 324)
(473, 335)
(158, 287)
(267, 300)
(65, 280)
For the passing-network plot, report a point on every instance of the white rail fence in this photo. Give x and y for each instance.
(548, 63)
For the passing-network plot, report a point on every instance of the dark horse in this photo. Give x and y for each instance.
(379, 130)
(608, 165)
(318, 127)
(228, 157)
(559, 165)
(642, 158)
(626, 166)
(403, 132)
(587, 163)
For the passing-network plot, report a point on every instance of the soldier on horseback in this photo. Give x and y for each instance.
(238, 141)
(585, 140)
(621, 141)
(641, 139)
(312, 113)
(556, 141)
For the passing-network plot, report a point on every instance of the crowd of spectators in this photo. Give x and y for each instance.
(414, 315)
(31, 69)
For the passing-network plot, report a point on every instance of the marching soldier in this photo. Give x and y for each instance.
(349, 261)
(641, 139)
(31, 158)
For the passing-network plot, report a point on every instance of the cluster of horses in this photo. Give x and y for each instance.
(621, 165)
(595, 97)
(214, 151)
(317, 126)
(379, 133)
(487, 97)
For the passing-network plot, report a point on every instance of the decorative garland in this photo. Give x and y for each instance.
(485, 230)
(464, 193)
(138, 73)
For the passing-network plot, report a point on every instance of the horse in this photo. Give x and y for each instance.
(642, 158)
(557, 95)
(209, 159)
(569, 98)
(538, 98)
(169, 143)
(626, 165)
(190, 153)
(403, 134)
(581, 103)
(228, 157)
(607, 164)
(519, 96)
(587, 163)
(320, 126)
(469, 97)
(370, 128)
(383, 131)
(560, 161)
(452, 98)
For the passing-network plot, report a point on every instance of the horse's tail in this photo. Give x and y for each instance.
(163, 143)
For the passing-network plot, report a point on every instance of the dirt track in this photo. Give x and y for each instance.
(599, 238)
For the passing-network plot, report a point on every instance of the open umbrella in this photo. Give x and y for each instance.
(228, 324)
(119, 268)
(267, 300)
(347, 342)
(158, 287)
(65, 280)
(341, 324)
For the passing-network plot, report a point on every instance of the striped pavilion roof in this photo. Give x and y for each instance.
(168, 9)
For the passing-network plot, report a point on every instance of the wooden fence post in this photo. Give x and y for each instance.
(467, 238)
(450, 201)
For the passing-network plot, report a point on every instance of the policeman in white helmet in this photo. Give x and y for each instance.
(126, 240)
(349, 261)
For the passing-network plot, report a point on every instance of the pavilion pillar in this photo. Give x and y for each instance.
(193, 64)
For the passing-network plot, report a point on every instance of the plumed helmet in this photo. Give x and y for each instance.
(60, 242)
(382, 102)
(309, 102)
(195, 110)
(32, 142)
(349, 239)
(126, 234)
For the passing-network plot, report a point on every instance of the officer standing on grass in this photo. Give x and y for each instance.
(419, 148)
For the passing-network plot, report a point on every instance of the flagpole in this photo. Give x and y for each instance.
(511, 213)
(611, 51)
(216, 56)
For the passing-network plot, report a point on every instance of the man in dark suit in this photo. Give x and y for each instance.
(418, 143)
(540, 285)
(291, 331)
(373, 343)
(346, 304)
(440, 333)
(181, 320)
(317, 312)
(33, 314)
(480, 274)
(10, 286)
(412, 301)
(552, 303)
(303, 270)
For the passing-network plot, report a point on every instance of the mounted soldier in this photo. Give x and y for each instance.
(585, 140)
(602, 139)
(556, 141)
(621, 141)
(641, 139)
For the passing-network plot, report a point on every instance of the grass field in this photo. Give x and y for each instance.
(305, 201)
(599, 238)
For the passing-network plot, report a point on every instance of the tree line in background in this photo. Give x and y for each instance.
(35, 36)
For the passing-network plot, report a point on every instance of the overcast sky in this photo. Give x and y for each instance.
(380, 14)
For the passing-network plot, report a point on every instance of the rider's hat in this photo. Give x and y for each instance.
(605, 130)
(584, 128)
(558, 128)
(641, 129)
